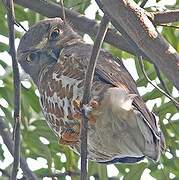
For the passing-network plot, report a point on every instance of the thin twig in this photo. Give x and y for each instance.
(161, 80)
(7, 139)
(169, 26)
(143, 3)
(163, 17)
(87, 91)
(67, 173)
(18, 24)
(63, 10)
(176, 103)
(16, 81)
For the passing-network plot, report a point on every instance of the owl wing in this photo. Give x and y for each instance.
(114, 72)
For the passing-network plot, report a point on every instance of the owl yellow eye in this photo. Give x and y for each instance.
(31, 57)
(54, 34)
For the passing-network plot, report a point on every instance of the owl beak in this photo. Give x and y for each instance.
(55, 53)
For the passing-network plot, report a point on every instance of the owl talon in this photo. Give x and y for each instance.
(94, 104)
(69, 137)
(89, 108)
(68, 143)
(76, 104)
(91, 119)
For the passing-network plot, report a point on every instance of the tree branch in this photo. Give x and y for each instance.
(67, 173)
(165, 17)
(87, 91)
(7, 138)
(143, 3)
(137, 25)
(81, 23)
(89, 26)
(163, 85)
(16, 81)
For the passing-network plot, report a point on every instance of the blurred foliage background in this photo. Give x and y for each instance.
(40, 146)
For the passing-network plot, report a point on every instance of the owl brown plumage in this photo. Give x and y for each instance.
(121, 128)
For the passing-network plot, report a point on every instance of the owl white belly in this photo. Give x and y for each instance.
(119, 132)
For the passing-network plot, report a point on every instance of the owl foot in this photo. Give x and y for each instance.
(91, 119)
(94, 104)
(77, 104)
(89, 111)
(69, 137)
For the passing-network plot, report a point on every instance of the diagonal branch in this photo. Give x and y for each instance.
(138, 26)
(87, 91)
(81, 23)
(143, 3)
(165, 16)
(164, 87)
(7, 138)
(16, 80)
(90, 27)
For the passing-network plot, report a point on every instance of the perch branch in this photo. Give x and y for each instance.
(87, 90)
(7, 138)
(16, 81)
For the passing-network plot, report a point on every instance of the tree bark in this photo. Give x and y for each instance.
(137, 25)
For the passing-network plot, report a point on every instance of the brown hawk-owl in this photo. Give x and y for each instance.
(121, 128)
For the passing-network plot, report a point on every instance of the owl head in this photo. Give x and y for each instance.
(41, 45)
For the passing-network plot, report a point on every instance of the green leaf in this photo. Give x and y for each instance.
(3, 47)
(169, 34)
(78, 5)
(98, 170)
(152, 95)
(37, 147)
(31, 98)
(150, 71)
(165, 108)
(3, 64)
(21, 15)
(102, 172)
(42, 172)
(136, 171)
(1, 153)
(42, 129)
